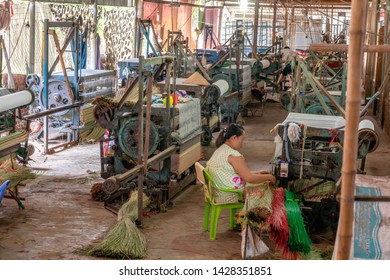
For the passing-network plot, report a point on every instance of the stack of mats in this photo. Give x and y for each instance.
(91, 131)
(11, 140)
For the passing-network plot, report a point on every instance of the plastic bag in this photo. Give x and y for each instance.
(251, 244)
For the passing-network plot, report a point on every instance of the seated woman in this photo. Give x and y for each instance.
(228, 167)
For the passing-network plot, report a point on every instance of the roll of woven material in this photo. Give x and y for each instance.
(15, 100)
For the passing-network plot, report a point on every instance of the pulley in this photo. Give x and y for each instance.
(58, 96)
(129, 135)
(103, 114)
(367, 134)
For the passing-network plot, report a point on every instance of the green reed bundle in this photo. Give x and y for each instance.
(298, 240)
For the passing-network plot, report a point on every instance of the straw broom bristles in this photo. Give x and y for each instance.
(125, 240)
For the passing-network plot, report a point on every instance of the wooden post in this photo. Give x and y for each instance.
(355, 59)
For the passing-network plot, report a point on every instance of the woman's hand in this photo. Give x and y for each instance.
(261, 172)
(272, 179)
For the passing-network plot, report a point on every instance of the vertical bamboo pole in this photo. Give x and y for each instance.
(355, 59)
(220, 16)
(274, 26)
(285, 26)
(140, 136)
(255, 29)
(371, 57)
(32, 37)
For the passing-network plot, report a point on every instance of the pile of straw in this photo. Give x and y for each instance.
(11, 170)
(125, 240)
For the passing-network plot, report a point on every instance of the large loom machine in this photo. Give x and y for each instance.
(12, 141)
(172, 135)
(309, 160)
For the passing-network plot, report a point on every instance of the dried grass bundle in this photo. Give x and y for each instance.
(125, 240)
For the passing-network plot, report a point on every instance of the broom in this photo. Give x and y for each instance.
(125, 240)
(298, 240)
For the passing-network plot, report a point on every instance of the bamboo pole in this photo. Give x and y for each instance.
(345, 48)
(255, 29)
(355, 63)
(140, 138)
(371, 57)
(274, 26)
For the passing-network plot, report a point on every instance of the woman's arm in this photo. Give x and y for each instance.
(240, 166)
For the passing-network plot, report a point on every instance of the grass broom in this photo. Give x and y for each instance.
(125, 240)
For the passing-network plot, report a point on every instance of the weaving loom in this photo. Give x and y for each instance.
(172, 135)
(310, 159)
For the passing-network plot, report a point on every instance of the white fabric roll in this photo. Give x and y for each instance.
(15, 100)
(265, 63)
(223, 86)
(366, 124)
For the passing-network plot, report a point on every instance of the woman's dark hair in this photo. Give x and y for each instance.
(226, 133)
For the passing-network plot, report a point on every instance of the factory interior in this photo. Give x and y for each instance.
(110, 111)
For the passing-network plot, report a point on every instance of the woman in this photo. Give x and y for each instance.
(228, 167)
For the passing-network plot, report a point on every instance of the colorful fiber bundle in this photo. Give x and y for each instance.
(298, 240)
(278, 223)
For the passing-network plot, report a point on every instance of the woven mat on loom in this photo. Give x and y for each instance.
(189, 120)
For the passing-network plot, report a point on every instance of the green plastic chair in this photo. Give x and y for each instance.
(210, 188)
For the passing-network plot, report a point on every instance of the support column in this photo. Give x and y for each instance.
(32, 37)
(274, 25)
(285, 26)
(371, 57)
(355, 63)
(255, 29)
(94, 36)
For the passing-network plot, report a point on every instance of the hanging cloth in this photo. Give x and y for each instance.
(6, 12)
(82, 49)
(98, 52)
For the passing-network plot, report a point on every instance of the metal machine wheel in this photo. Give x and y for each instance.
(58, 96)
(110, 186)
(128, 138)
(329, 212)
(315, 109)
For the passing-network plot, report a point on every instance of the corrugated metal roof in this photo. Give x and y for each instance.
(122, 3)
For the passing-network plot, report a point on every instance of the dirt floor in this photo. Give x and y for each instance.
(60, 219)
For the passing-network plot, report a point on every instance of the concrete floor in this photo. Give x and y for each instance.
(61, 219)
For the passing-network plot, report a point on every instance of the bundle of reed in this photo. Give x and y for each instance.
(278, 223)
(125, 240)
(298, 240)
